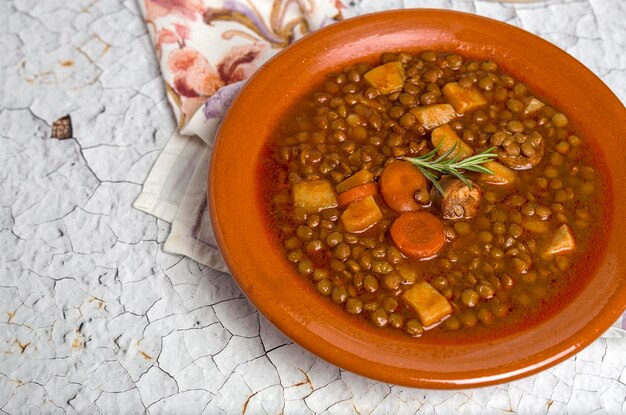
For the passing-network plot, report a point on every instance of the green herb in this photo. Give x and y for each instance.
(427, 164)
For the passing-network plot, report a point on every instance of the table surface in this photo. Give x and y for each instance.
(96, 318)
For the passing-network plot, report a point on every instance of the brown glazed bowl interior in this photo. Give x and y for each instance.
(257, 263)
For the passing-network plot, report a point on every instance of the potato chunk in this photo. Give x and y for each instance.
(562, 241)
(361, 215)
(314, 195)
(463, 99)
(502, 175)
(533, 105)
(432, 116)
(446, 136)
(357, 179)
(431, 307)
(387, 78)
(534, 225)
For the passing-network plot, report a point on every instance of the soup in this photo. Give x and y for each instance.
(435, 195)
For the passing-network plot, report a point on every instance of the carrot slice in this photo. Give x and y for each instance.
(417, 234)
(398, 184)
(357, 179)
(359, 192)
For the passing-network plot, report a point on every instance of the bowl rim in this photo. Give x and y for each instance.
(328, 351)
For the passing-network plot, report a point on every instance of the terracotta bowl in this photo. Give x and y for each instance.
(292, 304)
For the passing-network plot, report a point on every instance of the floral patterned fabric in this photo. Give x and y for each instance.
(205, 45)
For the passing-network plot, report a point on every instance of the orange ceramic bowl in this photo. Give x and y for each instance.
(253, 253)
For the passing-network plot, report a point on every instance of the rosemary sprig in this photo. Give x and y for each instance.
(452, 166)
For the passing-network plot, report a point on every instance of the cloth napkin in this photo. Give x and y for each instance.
(207, 49)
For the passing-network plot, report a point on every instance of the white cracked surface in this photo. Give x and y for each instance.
(96, 318)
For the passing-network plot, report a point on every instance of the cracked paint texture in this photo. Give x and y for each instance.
(96, 318)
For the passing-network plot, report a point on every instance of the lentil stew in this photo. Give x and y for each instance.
(351, 191)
